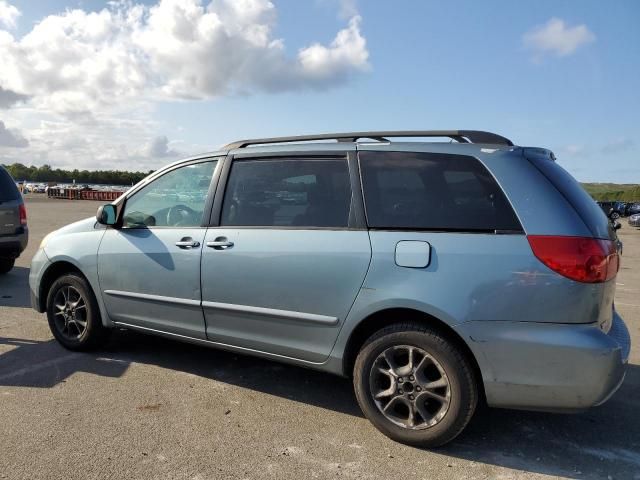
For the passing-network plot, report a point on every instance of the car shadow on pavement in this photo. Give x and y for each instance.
(14, 288)
(45, 364)
(597, 443)
(600, 442)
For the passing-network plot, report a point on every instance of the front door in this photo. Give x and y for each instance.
(282, 270)
(149, 270)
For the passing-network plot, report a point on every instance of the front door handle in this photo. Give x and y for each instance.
(187, 242)
(220, 243)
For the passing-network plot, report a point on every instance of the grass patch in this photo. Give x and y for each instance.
(624, 192)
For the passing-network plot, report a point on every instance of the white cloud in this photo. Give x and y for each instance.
(158, 147)
(11, 138)
(348, 8)
(557, 38)
(619, 145)
(9, 98)
(8, 14)
(327, 65)
(84, 75)
(573, 149)
(80, 60)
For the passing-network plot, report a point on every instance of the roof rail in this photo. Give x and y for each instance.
(462, 136)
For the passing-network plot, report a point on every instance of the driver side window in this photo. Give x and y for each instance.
(176, 199)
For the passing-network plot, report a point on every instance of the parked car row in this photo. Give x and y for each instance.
(32, 187)
(616, 209)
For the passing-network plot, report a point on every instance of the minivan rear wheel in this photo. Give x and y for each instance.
(73, 314)
(415, 385)
(6, 264)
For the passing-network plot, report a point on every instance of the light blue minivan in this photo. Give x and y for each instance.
(435, 274)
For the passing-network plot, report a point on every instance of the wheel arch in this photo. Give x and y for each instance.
(382, 318)
(54, 271)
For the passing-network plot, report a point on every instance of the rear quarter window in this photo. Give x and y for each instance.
(426, 191)
(585, 206)
(8, 189)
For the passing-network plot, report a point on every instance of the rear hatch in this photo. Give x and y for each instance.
(593, 217)
(10, 201)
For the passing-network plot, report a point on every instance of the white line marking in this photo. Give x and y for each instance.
(627, 304)
(38, 366)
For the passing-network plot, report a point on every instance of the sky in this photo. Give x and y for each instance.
(134, 85)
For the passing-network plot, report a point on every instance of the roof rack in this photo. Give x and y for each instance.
(462, 136)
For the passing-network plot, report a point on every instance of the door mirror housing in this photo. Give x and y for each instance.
(617, 225)
(107, 215)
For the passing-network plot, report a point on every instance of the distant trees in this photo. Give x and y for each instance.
(46, 174)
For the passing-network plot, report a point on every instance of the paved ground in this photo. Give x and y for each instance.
(149, 408)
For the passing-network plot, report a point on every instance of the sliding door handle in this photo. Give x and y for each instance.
(187, 243)
(220, 243)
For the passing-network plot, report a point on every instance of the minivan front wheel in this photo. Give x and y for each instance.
(6, 264)
(73, 314)
(414, 385)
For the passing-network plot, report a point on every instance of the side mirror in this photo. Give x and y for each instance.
(617, 226)
(106, 214)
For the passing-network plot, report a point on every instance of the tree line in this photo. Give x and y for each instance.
(46, 174)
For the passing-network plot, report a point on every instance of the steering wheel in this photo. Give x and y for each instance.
(179, 213)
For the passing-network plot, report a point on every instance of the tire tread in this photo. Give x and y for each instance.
(466, 371)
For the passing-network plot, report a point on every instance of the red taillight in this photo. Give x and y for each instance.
(583, 259)
(23, 214)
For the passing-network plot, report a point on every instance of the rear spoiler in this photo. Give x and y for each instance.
(537, 152)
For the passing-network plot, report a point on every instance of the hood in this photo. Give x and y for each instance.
(86, 225)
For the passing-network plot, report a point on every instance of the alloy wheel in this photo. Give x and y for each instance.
(410, 387)
(70, 314)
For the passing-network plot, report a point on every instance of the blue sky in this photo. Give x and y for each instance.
(559, 74)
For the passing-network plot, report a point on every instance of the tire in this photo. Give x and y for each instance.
(77, 328)
(6, 264)
(438, 368)
(615, 216)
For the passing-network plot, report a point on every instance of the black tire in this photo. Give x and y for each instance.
(70, 333)
(450, 365)
(6, 264)
(615, 215)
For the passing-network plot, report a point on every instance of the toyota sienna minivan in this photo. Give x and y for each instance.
(434, 274)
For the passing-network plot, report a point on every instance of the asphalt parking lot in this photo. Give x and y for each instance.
(149, 408)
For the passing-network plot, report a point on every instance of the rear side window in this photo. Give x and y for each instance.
(8, 189)
(288, 193)
(426, 191)
(586, 207)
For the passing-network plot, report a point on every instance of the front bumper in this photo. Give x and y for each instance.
(541, 366)
(39, 264)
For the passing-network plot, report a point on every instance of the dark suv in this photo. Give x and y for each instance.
(13, 222)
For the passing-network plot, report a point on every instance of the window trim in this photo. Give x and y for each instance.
(122, 204)
(356, 208)
(519, 231)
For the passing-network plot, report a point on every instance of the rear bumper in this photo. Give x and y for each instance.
(558, 367)
(13, 245)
